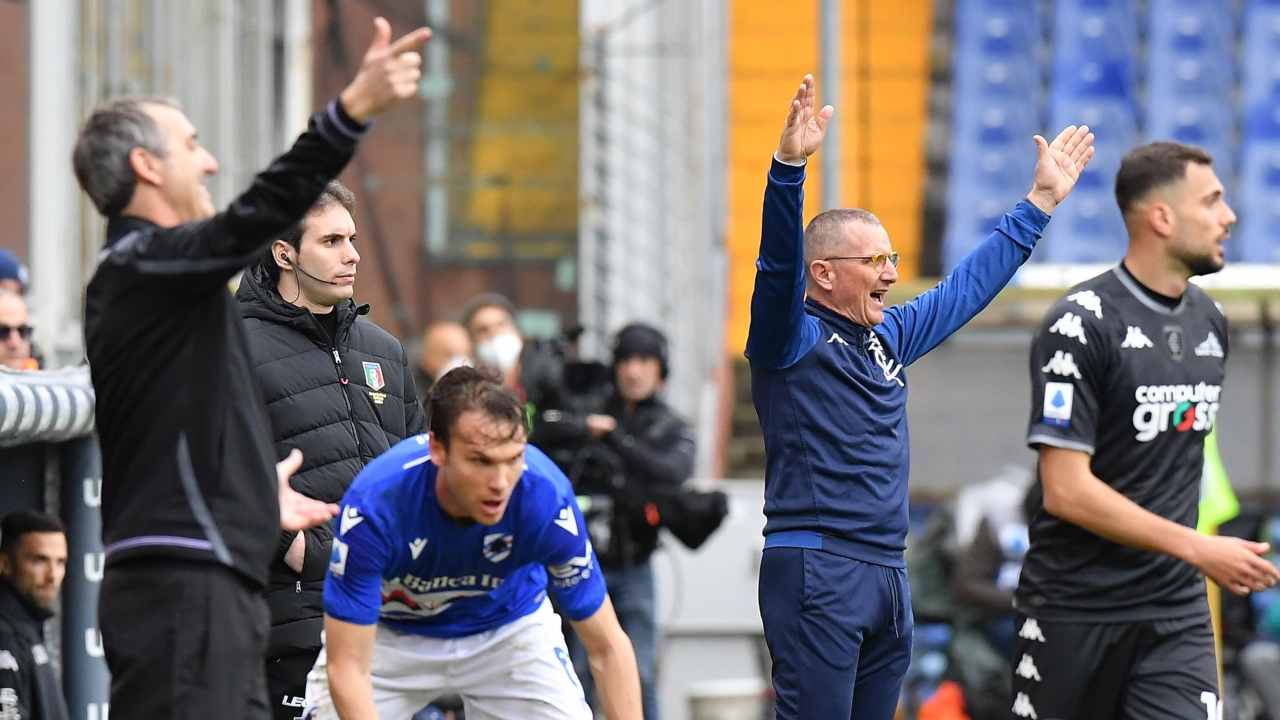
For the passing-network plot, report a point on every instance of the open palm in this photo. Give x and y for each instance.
(1059, 165)
(805, 128)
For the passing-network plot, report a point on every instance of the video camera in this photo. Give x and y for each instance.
(563, 389)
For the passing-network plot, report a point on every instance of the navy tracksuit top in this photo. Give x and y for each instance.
(831, 395)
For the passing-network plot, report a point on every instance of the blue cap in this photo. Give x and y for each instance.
(11, 269)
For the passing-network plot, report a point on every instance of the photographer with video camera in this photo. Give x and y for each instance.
(627, 453)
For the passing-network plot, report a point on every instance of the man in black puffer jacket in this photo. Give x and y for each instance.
(338, 388)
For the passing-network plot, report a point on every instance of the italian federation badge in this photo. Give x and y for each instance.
(374, 378)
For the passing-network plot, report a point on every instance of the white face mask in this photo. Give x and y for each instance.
(500, 352)
(456, 361)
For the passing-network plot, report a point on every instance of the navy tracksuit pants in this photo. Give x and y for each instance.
(839, 632)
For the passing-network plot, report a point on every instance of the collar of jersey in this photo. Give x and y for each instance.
(1134, 289)
(842, 323)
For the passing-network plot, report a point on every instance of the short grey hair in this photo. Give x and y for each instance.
(823, 234)
(101, 156)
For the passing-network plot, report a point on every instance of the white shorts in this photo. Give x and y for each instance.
(520, 671)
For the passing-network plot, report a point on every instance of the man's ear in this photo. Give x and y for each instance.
(439, 452)
(6, 570)
(280, 251)
(1160, 216)
(820, 271)
(146, 167)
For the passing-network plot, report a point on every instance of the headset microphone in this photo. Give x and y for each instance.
(298, 266)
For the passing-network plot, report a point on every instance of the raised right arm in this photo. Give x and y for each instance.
(780, 332)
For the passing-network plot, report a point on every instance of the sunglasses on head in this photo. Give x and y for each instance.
(24, 331)
(876, 261)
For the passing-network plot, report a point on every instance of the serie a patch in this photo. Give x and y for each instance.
(1057, 403)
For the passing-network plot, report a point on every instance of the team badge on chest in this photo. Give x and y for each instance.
(374, 378)
(1174, 339)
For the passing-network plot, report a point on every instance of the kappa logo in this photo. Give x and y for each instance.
(1210, 347)
(8, 661)
(835, 338)
(1031, 631)
(1088, 300)
(1070, 325)
(1062, 363)
(1027, 668)
(373, 376)
(39, 654)
(416, 546)
(567, 521)
(350, 518)
(1135, 339)
(1023, 708)
(497, 546)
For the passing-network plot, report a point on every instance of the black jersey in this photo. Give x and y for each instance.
(1136, 384)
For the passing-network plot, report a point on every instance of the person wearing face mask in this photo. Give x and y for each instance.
(445, 346)
(827, 357)
(490, 320)
(337, 387)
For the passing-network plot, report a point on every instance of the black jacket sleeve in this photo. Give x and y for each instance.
(201, 256)
(415, 421)
(17, 678)
(663, 462)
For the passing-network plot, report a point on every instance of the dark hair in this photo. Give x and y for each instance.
(486, 300)
(1151, 166)
(101, 155)
(468, 388)
(824, 230)
(641, 340)
(334, 192)
(23, 522)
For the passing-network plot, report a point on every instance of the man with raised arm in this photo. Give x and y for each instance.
(191, 502)
(827, 366)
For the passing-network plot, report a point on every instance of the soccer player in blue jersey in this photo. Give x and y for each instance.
(439, 575)
(827, 358)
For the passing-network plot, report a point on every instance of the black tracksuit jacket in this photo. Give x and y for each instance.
(28, 681)
(187, 459)
(341, 410)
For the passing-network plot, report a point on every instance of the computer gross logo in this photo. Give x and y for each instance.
(1180, 408)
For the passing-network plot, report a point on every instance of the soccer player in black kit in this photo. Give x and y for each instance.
(1126, 378)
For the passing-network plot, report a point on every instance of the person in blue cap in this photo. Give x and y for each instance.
(13, 274)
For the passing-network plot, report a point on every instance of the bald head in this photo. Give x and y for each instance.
(829, 232)
(443, 344)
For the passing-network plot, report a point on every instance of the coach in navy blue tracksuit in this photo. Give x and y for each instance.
(828, 385)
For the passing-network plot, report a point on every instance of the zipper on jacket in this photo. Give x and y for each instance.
(342, 378)
(297, 586)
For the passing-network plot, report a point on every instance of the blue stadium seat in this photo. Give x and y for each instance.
(1197, 121)
(1257, 236)
(1260, 47)
(1098, 30)
(971, 216)
(1087, 228)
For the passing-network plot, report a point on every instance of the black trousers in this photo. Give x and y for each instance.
(287, 683)
(1150, 670)
(183, 640)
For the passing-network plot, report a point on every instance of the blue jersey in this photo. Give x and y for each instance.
(831, 395)
(400, 560)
